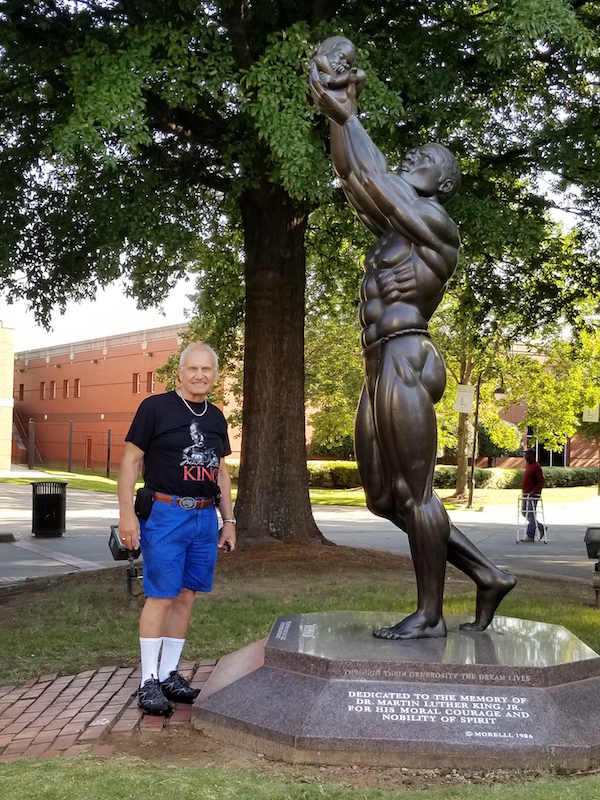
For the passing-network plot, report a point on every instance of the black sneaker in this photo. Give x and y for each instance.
(177, 689)
(151, 698)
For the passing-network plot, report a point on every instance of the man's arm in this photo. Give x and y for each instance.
(385, 200)
(369, 213)
(340, 112)
(227, 538)
(381, 198)
(129, 526)
(537, 489)
(421, 219)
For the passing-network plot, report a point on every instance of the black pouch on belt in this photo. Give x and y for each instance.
(144, 499)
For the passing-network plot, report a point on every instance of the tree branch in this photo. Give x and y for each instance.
(509, 157)
(207, 129)
(234, 14)
(323, 9)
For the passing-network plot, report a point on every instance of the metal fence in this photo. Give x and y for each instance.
(62, 445)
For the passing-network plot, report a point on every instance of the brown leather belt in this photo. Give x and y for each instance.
(188, 503)
(385, 339)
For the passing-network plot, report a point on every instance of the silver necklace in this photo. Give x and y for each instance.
(202, 413)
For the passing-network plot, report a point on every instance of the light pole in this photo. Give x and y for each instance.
(499, 394)
(474, 450)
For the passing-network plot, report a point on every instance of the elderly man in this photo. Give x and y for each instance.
(174, 519)
(406, 272)
(531, 489)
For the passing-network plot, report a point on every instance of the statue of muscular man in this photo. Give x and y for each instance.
(406, 273)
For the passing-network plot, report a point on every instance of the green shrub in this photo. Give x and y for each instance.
(333, 475)
(445, 477)
(499, 478)
(344, 475)
(570, 476)
(319, 474)
(233, 468)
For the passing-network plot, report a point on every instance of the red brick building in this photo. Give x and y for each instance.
(81, 396)
(577, 451)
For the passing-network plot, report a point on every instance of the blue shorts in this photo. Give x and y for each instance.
(179, 548)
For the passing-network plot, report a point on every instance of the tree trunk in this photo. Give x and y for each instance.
(273, 499)
(462, 455)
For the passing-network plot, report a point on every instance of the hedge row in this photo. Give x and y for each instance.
(498, 478)
(344, 475)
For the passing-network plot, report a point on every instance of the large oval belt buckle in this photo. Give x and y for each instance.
(187, 502)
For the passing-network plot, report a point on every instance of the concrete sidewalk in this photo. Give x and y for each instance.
(84, 545)
(89, 515)
(492, 529)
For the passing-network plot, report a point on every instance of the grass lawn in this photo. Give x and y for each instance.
(80, 621)
(83, 621)
(348, 497)
(122, 778)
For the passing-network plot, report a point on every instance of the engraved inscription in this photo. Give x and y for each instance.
(438, 677)
(477, 712)
(283, 630)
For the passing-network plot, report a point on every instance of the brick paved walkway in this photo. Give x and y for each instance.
(66, 715)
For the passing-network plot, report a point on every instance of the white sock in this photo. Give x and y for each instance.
(169, 658)
(149, 650)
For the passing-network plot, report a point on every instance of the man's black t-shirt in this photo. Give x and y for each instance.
(182, 452)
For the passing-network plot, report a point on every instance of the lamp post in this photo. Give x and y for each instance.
(499, 394)
(474, 450)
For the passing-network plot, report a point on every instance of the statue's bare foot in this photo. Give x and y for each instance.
(415, 626)
(488, 599)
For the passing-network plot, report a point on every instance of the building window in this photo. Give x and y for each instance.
(547, 458)
(42, 390)
(76, 388)
(21, 391)
(65, 388)
(53, 390)
(150, 380)
(136, 385)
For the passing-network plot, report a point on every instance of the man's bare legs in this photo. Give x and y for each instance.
(400, 425)
(426, 530)
(492, 583)
(168, 616)
(428, 550)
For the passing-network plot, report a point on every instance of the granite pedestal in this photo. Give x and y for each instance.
(322, 690)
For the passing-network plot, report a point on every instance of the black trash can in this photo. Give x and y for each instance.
(49, 508)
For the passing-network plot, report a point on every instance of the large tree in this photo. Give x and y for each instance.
(537, 288)
(135, 133)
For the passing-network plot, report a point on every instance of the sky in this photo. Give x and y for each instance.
(110, 314)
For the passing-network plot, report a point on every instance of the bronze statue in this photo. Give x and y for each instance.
(333, 63)
(406, 273)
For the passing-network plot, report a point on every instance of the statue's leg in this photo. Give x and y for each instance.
(492, 583)
(374, 476)
(425, 525)
(402, 418)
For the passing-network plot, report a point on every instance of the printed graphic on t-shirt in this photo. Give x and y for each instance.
(198, 454)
